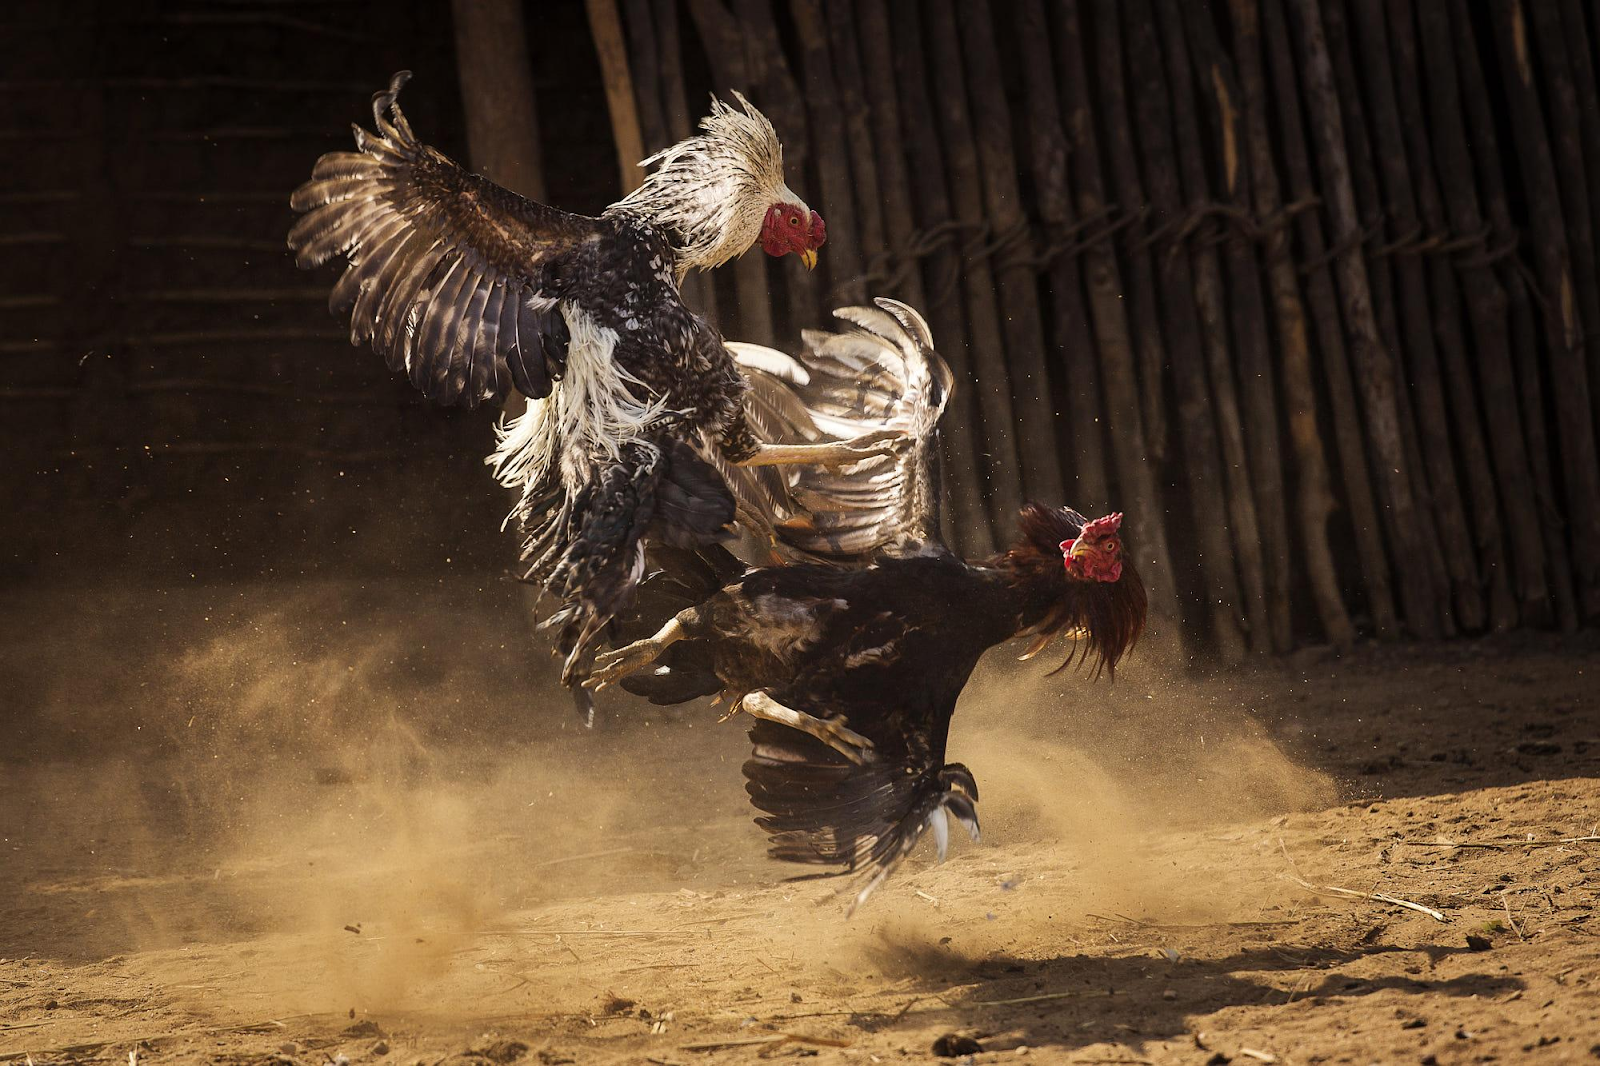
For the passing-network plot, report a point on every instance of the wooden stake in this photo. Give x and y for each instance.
(1400, 182)
(943, 265)
(1201, 460)
(1143, 312)
(1563, 327)
(1375, 371)
(1013, 264)
(1521, 324)
(1369, 209)
(1211, 304)
(1324, 305)
(992, 378)
(1072, 350)
(606, 28)
(1251, 340)
(1315, 499)
(1125, 427)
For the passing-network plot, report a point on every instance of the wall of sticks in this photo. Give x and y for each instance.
(1303, 286)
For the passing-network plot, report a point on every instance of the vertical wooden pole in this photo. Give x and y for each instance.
(1211, 303)
(1072, 349)
(1324, 304)
(1144, 314)
(606, 28)
(1369, 209)
(1375, 369)
(1400, 182)
(1520, 326)
(1201, 460)
(1563, 327)
(1125, 422)
(883, 111)
(941, 279)
(1445, 278)
(992, 376)
(1013, 267)
(1315, 499)
(497, 94)
(1251, 340)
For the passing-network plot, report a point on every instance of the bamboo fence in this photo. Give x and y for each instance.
(1302, 286)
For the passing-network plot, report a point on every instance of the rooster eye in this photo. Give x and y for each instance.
(1113, 544)
(794, 220)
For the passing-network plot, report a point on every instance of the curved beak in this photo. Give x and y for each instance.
(809, 258)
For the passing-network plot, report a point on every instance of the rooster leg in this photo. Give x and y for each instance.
(618, 663)
(831, 731)
(832, 453)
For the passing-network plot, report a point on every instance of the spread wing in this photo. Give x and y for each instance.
(451, 278)
(880, 372)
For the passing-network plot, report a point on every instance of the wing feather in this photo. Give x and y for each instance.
(449, 276)
(881, 372)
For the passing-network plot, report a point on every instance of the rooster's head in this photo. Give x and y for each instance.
(1095, 554)
(1074, 576)
(793, 227)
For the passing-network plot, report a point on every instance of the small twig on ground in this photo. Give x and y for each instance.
(580, 858)
(931, 899)
(1087, 993)
(1189, 925)
(584, 932)
(1350, 893)
(776, 1038)
(1499, 845)
(1259, 1056)
(1505, 901)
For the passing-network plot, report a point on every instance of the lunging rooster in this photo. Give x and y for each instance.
(855, 669)
(636, 410)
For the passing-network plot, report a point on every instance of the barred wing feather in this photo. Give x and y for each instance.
(880, 372)
(451, 278)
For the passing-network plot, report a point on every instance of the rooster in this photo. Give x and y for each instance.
(636, 409)
(853, 671)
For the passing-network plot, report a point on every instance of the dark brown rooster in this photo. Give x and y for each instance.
(854, 670)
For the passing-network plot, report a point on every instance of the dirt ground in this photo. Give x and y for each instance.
(352, 826)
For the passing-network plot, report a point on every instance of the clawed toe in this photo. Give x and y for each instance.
(846, 741)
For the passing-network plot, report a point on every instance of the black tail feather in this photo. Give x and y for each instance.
(822, 809)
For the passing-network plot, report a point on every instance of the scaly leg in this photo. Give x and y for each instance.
(831, 731)
(618, 663)
(831, 453)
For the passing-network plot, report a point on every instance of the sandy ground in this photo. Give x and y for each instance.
(342, 830)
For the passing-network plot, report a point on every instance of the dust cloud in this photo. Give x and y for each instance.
(340, 763)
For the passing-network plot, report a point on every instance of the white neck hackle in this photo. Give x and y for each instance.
(711, 192)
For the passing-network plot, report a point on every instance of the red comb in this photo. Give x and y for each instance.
(1101, 527)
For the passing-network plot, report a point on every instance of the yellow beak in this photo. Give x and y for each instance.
(809, 258)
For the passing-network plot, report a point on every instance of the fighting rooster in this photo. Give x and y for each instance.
(854, 670)
(474, 291)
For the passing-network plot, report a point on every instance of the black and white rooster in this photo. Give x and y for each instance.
(636, 410)
(853, 662)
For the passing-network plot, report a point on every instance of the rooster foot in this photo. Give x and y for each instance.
(832, 453)
(831, 731)
(614, 665)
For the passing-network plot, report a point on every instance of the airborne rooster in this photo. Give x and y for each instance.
(475, 291)
(855, 669)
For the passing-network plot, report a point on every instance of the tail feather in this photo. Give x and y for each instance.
(821, 809)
